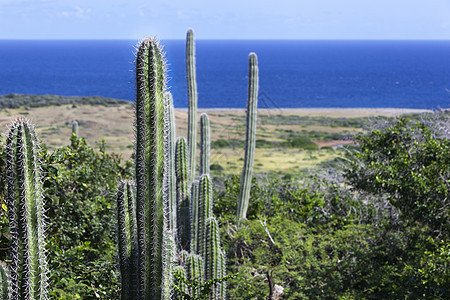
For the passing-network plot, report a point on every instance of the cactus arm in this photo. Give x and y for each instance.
(192, 101)
(205, 144)
(250, 138)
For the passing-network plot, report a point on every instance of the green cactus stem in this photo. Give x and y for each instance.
(127, 239)
(4, 281)
(222, 287)
(192, 102)
(171, 165)
(25, 203)
(181, 284)
(194, 216)
(151, 195)
(205, 209)
(75, 128)
(213, 254)
(250, 138)
(183, 194)
(205, 144)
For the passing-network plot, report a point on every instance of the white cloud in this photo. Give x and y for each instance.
(77, 12)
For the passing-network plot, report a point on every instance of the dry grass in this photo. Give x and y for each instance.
(114, 124)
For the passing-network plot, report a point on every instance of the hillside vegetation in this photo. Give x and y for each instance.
(367, 220)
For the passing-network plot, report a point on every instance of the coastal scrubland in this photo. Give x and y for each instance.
(345, 203)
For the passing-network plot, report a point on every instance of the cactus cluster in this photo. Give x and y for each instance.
(168, 235)
(166, 226)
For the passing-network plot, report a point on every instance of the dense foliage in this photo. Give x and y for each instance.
(375, 229)
(412, 168)
(374, 233)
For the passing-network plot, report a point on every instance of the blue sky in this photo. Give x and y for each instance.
(225, 19)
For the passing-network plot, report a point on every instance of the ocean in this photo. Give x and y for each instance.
(293, 73)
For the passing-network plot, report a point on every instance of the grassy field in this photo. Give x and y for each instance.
(287, 139)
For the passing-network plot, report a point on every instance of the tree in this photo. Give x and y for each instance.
(412, 167)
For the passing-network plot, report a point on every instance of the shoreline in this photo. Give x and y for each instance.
(320, 112)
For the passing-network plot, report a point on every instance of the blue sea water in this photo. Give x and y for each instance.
(293, 74)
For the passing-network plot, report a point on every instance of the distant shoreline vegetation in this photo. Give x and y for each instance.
(22, 100)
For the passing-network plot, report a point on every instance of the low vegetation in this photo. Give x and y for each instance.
(374, 226)
(28, 101)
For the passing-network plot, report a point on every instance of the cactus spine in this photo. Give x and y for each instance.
(127, 239)
(250, 137)
(28, 268)
(151, 197)
(183, 199)
(205, 144)
(192, 102)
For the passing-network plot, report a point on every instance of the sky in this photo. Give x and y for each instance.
(225, 19)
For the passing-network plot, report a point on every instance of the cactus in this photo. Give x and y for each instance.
(222, 288)
(127, 239)
(75, 128)
(166, 214)
(205, 144)
(194, 216)
(151, 172)
(181, 284)
(192, 102)
(171, 165)
(213, 261)
(25, 202)
(4, 281)
(194, 264)
(205, 212)
(183, 197)
(250, 138)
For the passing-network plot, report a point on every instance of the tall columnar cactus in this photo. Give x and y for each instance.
(171, 165)
(151, 165)
(183, 194)
(205, 144)
(250, 138)
(28, 267)
(195, 211)
(192, 102)
(127, 239)
(75, 127)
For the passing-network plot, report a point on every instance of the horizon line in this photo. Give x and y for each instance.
(226, 39)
